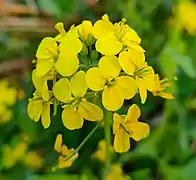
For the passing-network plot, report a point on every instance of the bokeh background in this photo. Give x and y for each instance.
(168, 32)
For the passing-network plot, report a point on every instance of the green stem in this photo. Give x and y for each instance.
(107, 129)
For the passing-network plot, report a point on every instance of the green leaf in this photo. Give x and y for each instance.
(50, 7)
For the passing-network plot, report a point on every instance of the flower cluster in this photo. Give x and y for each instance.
(91, 70)
(184, 15)
(7, 98)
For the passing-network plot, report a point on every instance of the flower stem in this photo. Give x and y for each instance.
(107, 129)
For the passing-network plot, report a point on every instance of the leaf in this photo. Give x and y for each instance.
(50, 7)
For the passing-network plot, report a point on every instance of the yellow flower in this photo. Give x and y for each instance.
(41, 85)
(77, 108)
(85, 29)
(115, 88)
(37, 107)
(112, 38)
(68, 62)
(7, 98)
(12, 155)
(125, 127)
(185, 13)
(64, 161)
(101, 151)
(116, 173)
(133, 63)
(34, 160)
(47, 53)
(160, 87)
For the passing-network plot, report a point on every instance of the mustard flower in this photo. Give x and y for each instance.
(185, 15)
(115, 88)
(63, 161)
(126, 127)
(85, 29)
(67, 62)
(38, 107)
(76, 108)
(112, 38)
(47, 53)
(7, 98)
(161, 86)
(34, 160)
(133, 63)
(117, 173)
(100, 153)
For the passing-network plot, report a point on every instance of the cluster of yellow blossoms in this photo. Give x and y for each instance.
(89, 70)
(185, 15)
(7, 98)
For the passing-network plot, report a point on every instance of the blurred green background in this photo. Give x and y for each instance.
(26, 149)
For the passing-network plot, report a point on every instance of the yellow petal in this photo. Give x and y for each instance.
(46, 115)
(43, 67)
(117, 120)
(67, 65)
(34, 109)
(127, 85)
(94, 79)
(139, 130)
(87, 28)
(121, 141)
(142, 90)
(78, 84)
(48, 48)
(108, 45)
(131, 36)
(109, 66)
(41, 85)
(62, 90)
(133, 114)
(45, 92)
(112, 98)
(126, 64)
(90, 111)
(71, 118)
(70, 45)
(102, 28)
(58, 143)
(137, 57)
(135, 46)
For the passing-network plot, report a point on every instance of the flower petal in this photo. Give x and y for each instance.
(139, 130)
(126, 64)
(142, 90)
(127, 85)
(137, 57)
(46, 115)
(45, 92)
(131, 36)
(94, 79)
(62, 90)
(85, 29)
(48, 48)
(133, 114)
(117, 120)
(90, 111)
(71, 118)
(70, 45)
(108, 45)
(121, 141)
(34, 109)
(67, 65)
(102, 28)
(58, 143)
(78, 84)
(112, 98)
(43, 67)
(110, 62)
